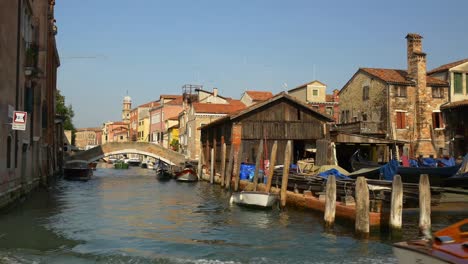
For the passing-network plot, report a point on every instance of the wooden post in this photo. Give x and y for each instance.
(284, 181)
(237, 170)
(424, 205)
(212, 166)
(215, 152)
(207, 154)
(257, 164)
(229, 168)
(272, 165)
(362, 206)
(200, 164)
(396, 208)
(330, 201)
(223, 162)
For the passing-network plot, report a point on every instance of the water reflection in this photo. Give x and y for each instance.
(127, 216)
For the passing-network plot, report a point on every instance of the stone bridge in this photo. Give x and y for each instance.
(116, 148)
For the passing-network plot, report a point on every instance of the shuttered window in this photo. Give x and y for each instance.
(457, 83)
(437, 92)
(365, 93)
(401, 120)
(437, 121)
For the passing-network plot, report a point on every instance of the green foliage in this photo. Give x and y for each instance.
(67, 112)
(175, 144)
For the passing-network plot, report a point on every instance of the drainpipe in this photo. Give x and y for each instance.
(18, 68)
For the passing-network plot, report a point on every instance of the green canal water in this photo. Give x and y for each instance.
(127, 216)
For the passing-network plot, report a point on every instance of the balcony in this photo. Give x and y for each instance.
(362, 127)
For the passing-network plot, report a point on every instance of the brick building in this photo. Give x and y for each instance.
(28, 75)
(170, 107)
(397, 104)
(88, 137)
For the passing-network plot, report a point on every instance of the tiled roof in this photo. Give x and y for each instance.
(170, 96)
(454, 104)
(259, 95)
(395, 76)
(176, 101)
(305, 84)
(150, 104)
(447, 66)
(176, 117)
(231, 107)
(119, 123)
(89, 129)
(329, 98)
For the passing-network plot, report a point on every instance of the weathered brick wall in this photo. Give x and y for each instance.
(351, 99)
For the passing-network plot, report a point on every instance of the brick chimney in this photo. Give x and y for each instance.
(417, 72)
(416, 59)
(215, 92)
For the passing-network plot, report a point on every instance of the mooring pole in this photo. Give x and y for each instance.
(212, 166)
(271, 170)
(284, 180)
(257, 164)
(396, 208)
(223, 162)
(229, 168)
(330, 201)
(362, 206)
(424, 205)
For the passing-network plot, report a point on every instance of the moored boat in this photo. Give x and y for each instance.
(92, 165)
(449, 245)
(188, 174)
(77, 171)
(121, 165)
(164, 171)
(254, 199)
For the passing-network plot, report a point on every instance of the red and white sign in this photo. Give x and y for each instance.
(19, 120)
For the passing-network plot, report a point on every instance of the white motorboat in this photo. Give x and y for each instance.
(449, 245)
(254, 199)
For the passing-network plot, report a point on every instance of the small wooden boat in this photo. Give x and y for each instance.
(77, 171)
(134, 162)
(449, 245)
(164, 171)
(254, 199)
(188, 174)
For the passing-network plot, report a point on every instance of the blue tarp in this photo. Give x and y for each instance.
(338, 175)
(432, 163)
(389, 170)
(447, 162)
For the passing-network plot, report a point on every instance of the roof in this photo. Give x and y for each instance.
(170, 96)
(176, 101)
(259, 95)
(95, 129)
(453, 105)
(176, 117)
(277, 97)
(395, 76)
(150, 104)
(119, 123)
(305, 84)
(231, 107)
(447, 66)
(329, 98)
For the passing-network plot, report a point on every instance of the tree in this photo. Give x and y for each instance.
(67, 113)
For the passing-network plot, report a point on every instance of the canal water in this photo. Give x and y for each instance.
(127, 216)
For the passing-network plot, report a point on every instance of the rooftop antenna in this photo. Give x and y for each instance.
(285, 85)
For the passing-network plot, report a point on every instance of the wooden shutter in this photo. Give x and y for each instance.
(458, 83)
(398, 120)
(403, 120)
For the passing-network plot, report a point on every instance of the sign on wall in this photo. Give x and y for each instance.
(19, 120)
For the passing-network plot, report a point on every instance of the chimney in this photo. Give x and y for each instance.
(215, 92)
(416, 58)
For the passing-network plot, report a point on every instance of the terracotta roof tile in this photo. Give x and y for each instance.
(447, 66)
(233, 106)
(329, 98)
(170, 96)
(176, 101)
(259, 95)
(395, 76)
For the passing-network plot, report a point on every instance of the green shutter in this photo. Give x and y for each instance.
(458, 83)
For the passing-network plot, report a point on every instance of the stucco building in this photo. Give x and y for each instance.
(315, 94)
(455, 111)
(397, 104)
(115, 132)
(135, 116)
(249, 98)
(88, 137)
(170, 107)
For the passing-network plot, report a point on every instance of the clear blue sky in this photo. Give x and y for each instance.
(151, 47)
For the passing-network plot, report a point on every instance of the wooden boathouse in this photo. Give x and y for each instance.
(280, 118)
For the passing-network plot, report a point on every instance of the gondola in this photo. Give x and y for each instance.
(164, 171)
(187, 174)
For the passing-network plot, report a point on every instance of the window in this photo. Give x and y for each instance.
(401, 120)
(298, 114)
(400, 91)
(329, 110)
(437, 92)
(121, 137)
(365, 93)
(364, 117)
(315, 107)
(315, 92)
(437, 121)
(458, 83)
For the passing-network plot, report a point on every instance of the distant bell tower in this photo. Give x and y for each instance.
(127, 105)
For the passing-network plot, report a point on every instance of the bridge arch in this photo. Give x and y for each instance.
(116, 148)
